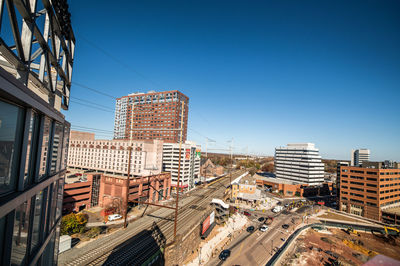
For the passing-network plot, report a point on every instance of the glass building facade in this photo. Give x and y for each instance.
(36, 57)
(33, 154)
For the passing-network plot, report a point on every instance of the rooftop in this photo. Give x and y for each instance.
(275, 180)
(394, 210)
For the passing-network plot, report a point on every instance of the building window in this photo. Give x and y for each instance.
(31, 148)
(56, 148)
(44, 147)
(37, 220)
(20, 234)
(11, 130)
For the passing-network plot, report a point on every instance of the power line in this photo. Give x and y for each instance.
(84, 100)
(91, 128)
(115, 59)
(94, 90)
(92, 107)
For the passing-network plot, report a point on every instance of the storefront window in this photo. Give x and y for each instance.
(11, 130)
(20, 234)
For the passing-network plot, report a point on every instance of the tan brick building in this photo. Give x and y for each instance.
(368, 190)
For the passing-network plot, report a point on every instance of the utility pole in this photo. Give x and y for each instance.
(230, 169)
(127, 186)
(179, 171)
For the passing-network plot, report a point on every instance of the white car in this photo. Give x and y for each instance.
(263, 228)
(114, 217)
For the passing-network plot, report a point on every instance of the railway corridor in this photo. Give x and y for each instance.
(119, 247)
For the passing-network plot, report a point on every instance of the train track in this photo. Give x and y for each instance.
(122, 249)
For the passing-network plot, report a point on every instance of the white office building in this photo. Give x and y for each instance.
(359, 156)
(190, 163)
(299, 162)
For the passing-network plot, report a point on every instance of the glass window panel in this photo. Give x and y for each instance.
(57, 148)
(65, 148)
(53, 204)
(45, 147)
(30, 151)
(60, 197)
(37, 217)
(47, 257)
(56, 245)
(11, 127)
(2, 234)
(20, 234)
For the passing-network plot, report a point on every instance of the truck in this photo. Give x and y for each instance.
(277, 209)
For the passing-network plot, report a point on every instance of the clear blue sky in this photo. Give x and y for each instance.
(265, 73)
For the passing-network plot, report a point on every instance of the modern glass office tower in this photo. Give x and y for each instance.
(299, 162)
(36, 57)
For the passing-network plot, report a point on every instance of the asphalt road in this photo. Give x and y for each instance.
(258, 247)
(119, 249)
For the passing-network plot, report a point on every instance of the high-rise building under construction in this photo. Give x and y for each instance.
(151, 115)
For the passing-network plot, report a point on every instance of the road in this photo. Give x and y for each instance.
(258, 247)
(138, 238)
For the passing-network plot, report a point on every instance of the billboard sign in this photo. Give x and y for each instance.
(187, 155)
(207, 222)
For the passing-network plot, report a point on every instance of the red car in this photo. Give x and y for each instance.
(246, 213)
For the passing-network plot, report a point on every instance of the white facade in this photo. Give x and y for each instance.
(299, 162)
(359, 156)
(190, 163)
(121, 106)
(111, 156)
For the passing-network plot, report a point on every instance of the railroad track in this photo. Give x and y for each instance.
(133, 241)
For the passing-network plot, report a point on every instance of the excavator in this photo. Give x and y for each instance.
(350, 231)
(387, 232)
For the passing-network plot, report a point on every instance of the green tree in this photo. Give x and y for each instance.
(73, 223)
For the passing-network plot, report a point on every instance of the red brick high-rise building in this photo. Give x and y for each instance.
(152, 115)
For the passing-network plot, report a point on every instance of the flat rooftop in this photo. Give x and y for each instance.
(275, 180)
(395, 210)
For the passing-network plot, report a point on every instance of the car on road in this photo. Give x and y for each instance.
(285, 226)
(246, 213)
(263, 228)
(113, 217)
(224, 254)
(261, 219)
(250, 229)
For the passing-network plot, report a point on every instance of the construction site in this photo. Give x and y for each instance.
(321, 245)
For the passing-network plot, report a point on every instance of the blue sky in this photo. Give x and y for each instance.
(265, 73)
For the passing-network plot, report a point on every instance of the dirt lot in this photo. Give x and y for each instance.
(324, 247)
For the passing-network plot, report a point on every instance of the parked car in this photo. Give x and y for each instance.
(283, 239)
(246, 213)
(286, 205)
(250, 229)
(285, 226)
(224, 254)
(261, 219)
(263, 228)
(113, 217)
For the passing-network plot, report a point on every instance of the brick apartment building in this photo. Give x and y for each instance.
(105, 190)
(152, 115)
(369, 190)
(111, 156)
